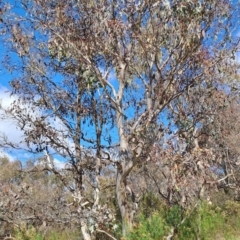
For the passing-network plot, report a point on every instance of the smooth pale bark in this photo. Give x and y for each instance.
(123, 206)
(84, 230)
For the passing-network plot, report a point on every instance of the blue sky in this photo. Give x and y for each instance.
(9, 126)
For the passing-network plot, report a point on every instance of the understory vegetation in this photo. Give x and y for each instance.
(217, 217)
(204, 222)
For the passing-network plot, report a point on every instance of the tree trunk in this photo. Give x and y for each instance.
(84, 230)
(123, 206)
(126, 223)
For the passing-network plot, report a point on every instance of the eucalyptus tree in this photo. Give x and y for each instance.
(100, 76)
(223, 138)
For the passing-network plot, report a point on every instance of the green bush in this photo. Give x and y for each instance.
(205, 222)
(30, 233)
(63, 235)
(174, 216)
(27, 233)
(150, 228)
(150, 203)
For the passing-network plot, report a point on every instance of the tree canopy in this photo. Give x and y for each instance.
(113, 86)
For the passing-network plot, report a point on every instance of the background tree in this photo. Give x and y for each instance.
(94, 76)
(34, 198)
(223, 134)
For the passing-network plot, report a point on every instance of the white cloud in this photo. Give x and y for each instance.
(8, 126)
(58, 164)
(7, 155)
(10, 129)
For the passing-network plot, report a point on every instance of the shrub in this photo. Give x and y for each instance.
(27, 233)
(150, 228)
(205, 222)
